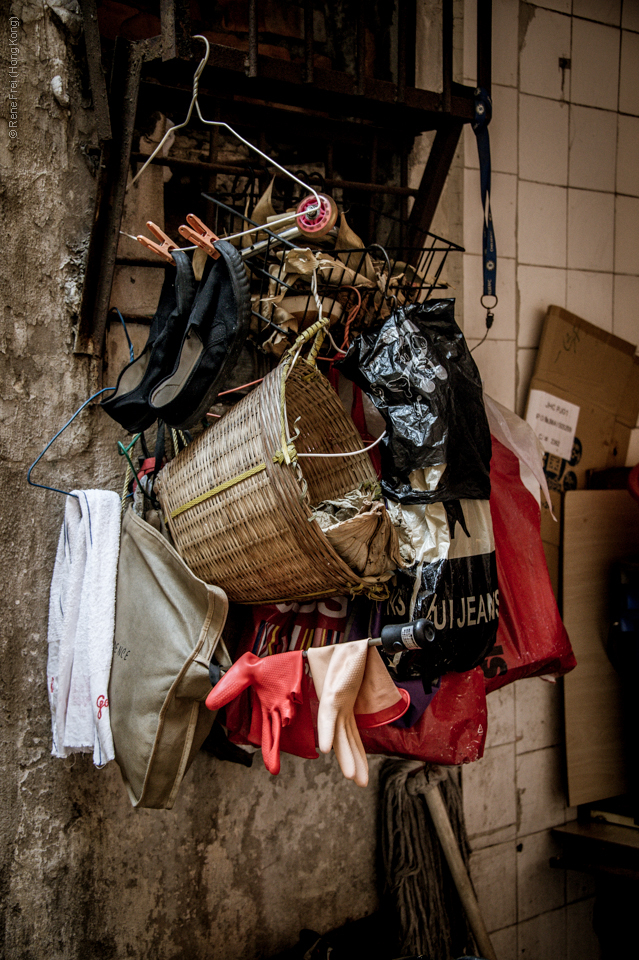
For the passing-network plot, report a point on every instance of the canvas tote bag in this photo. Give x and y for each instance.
(168, 626)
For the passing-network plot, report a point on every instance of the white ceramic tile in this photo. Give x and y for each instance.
(625, 323)
(543, 140)
(503, 133)
(627, 235)
(629, 73)
(541, 229)
(628, 155)
(604, 11)
(593, 148)
(504, 325)
(595, 64)
(632, 456)
(543, 937)
(538, 713)
(591, 230)
(539, 288)
(489, 793)
(540, 790)
(493, 871)
(503, 205)
(525, 365)
(505, 943)
(540, 887)
(546, 40)
(589, 295)
(581, 939)
(470, 42)
(501, 716)
(496, 362)
(505, 60)
(630, 15)
(562, 6)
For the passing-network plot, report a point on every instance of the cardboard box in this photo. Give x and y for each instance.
(598, 373)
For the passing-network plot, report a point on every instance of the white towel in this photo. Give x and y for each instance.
(81, 625)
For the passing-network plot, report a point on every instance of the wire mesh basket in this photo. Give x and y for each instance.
(357, 284)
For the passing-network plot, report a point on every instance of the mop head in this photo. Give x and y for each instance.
(431, 919)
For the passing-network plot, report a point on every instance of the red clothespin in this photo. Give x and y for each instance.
(200, 235)
(162, 249)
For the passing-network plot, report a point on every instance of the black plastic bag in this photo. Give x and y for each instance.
(456, 590)
(419, 373)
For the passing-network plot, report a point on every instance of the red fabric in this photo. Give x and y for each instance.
(531, 638)
(277, 686)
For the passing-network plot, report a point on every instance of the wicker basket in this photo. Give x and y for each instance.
(238, 500)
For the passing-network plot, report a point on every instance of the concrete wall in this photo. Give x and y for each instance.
(244, 860)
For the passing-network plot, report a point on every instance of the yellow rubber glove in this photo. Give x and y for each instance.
(337, 673)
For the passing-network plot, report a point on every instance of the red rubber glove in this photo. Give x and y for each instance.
(298, 736)
(277, 683)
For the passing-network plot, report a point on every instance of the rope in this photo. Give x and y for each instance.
(352, 313)
(128, 476)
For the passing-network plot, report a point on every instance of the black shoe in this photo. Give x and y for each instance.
(129, 404)
(216, 331)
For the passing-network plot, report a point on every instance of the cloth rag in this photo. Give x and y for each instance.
(81, 625)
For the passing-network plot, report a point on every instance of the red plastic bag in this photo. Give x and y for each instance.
(452, 729)
(531, 638)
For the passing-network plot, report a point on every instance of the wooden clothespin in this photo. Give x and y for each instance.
(199, 234)
(162, 249)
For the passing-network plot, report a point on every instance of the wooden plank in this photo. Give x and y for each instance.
(600, 526)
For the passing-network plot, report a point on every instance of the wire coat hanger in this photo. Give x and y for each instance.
(310, 211)
(43, 486)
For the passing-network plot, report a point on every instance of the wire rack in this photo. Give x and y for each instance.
(358, 286)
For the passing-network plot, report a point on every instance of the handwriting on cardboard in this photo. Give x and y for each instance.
(554, 422)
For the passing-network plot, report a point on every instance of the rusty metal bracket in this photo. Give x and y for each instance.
(175, 20)
(96, 73)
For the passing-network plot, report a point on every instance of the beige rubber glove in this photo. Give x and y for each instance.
(379, 701)
(337, 673)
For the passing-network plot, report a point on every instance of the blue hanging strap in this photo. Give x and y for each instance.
(483, 115)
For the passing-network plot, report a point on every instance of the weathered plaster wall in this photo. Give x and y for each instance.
(244, 860)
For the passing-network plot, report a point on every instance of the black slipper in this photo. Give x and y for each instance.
(129, 404)
(216, 331)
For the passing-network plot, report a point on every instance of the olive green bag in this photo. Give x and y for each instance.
(168, 626)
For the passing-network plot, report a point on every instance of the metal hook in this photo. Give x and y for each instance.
(43, 486)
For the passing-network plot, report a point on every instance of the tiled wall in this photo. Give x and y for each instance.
(565, 151)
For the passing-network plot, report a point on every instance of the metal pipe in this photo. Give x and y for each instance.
(447, 55)
(309, 37)
(361, 49)
(401, 52)
(484, 44)
(252, 38)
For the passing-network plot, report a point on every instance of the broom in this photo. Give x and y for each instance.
(423, 823)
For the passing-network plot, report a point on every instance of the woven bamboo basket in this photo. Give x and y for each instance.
(238, 499)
